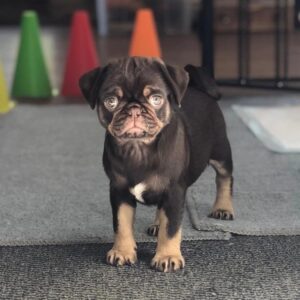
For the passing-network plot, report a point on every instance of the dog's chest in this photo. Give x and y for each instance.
(149, 190)
(138, 190)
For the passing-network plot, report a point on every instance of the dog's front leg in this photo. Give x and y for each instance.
(168, 254)
(124, 248)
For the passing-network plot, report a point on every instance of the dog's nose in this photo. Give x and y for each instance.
(134, 111)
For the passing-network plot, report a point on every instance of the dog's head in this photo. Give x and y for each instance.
(134, 97)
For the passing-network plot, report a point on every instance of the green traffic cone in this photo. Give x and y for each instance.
(31, 79)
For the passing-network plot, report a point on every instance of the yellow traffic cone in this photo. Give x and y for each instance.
(5, 103)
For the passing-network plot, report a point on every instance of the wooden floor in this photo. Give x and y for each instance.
(178, 50)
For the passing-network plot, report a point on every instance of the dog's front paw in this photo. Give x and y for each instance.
(120, 257)
(153, 230)
(167, 263)
(222, 214)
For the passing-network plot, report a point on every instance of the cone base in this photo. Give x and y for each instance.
(8, 107)
(20, 96)
(34, 100)
(68, 100)
(34, 97)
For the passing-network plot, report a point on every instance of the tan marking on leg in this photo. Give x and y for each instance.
(218, 166)
(223, 208)
(168, 255)
(154, 228)
(223, 202)
(124, 248)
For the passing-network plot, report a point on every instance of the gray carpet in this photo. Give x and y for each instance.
(53, 190)
(266, 187)
(52, 186)
(266, 268)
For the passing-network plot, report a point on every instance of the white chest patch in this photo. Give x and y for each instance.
(137, 191)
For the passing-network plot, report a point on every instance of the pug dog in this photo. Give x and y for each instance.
(163, 127)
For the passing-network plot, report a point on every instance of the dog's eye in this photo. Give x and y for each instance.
(155, 100)
(111, 103)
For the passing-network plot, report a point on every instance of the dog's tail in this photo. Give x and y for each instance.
(201, 80)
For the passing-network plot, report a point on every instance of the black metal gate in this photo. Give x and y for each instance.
(280, 79)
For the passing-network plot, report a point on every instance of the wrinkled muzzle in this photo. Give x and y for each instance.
(135, 121)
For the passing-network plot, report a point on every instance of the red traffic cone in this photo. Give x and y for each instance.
(82, 54)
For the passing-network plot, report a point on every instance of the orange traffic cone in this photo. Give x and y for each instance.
(82, 54)
(144, 41)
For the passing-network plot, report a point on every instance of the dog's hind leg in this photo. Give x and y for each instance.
(153, 228)
(221, 161)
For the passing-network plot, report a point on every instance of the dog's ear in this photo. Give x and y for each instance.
(177, 80)
(201, 80)
(90, 84)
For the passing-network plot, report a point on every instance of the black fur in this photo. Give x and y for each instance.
(180, 152)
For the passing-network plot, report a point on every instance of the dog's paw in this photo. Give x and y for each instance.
(222, 214)
(120, 258)
(153, 230)
(167, 263)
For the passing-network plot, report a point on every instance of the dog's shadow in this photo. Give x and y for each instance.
(146, 252)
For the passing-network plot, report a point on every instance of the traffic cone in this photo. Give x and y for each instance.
(31, 78)
(144, 41)
(5, 104)
(82, 54)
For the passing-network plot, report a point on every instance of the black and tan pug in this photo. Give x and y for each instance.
(164, 127)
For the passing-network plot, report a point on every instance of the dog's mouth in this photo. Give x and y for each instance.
(135, 132)
(135, 124)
